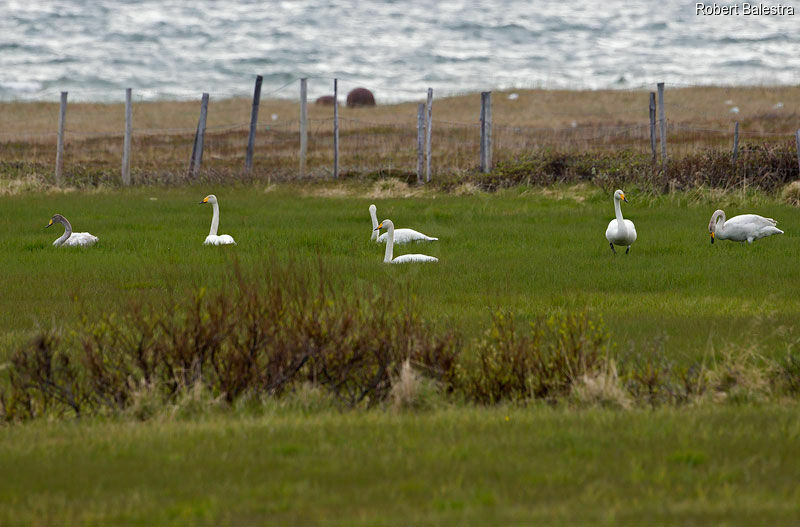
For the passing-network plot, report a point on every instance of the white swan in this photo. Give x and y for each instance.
(406, 258)
(400, 235)
(212, 238)
(620, 231)
(745, 227)
(69, 238)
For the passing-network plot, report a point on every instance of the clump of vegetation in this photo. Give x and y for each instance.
(262, 337)
(791, 193)
(544, 361)
(765, 167)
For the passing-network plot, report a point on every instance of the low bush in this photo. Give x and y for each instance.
(544, 361)
(259, 338)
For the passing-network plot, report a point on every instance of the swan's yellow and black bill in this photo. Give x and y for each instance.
(205, 200)
(50, 223)
(712, 237)
(379, 227)
(624, 198)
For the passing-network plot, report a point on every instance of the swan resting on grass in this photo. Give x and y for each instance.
(620, 231)
(742, 228)
(400, 235)
(69, 238)
(212, 238)
(406, 258)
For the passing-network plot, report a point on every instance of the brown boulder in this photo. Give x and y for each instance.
(360, 97)
(325, 100)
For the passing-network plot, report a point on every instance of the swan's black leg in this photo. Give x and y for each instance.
(628, 249)
(612, 248)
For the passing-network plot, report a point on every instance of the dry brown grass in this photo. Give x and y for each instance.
(382, 140)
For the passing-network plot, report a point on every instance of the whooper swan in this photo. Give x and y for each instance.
(400, 235)
(69, 238)
(742, 228)
(212, 238)
(620, 231)
(406, 258)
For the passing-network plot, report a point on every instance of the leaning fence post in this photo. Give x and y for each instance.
(251, 140)
(303, 124)
(126, 145)
(662, 118)
(420, 139)
(428, 129)
(653, 124)
(60, 149)
(797, 140)
(486, 131)
(735, 141)
(483, 131)
(197, 151)
(335, 128)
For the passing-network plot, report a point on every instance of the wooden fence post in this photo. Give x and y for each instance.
(197, 151)
(486, 131)
(251, 140)
(797, 140)
(428, 131)
(126, 145)
(60, 149)
(420, 140)
(303, 124)
(662, 118)
(735, 141)
(653, 124)
(335, 128)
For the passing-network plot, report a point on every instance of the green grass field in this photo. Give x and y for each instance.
(721, 466)
(530, 251)
(527, 251)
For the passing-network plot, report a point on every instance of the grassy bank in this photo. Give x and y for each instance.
(731, 466)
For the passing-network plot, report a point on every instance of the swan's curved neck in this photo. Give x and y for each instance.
(214, 220)
(387, 257)
(67, 231)
(618, 213)
(374, 224)
(719, 223)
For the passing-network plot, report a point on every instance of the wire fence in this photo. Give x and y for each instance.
(383, 139)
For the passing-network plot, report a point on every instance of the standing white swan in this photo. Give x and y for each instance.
(400, 235)
(406, 258)
(69, 238)
(620, 231)
(212, 238)
(742, 228)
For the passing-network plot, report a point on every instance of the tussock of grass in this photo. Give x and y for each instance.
(602, 388)
(791, 193)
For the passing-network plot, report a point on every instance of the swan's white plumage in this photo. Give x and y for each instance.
(213, 238)
(400, 235)
(224, 239)
(80, 239)
(742, 228)
(620, 231)
(69, 238)
(405, 258)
